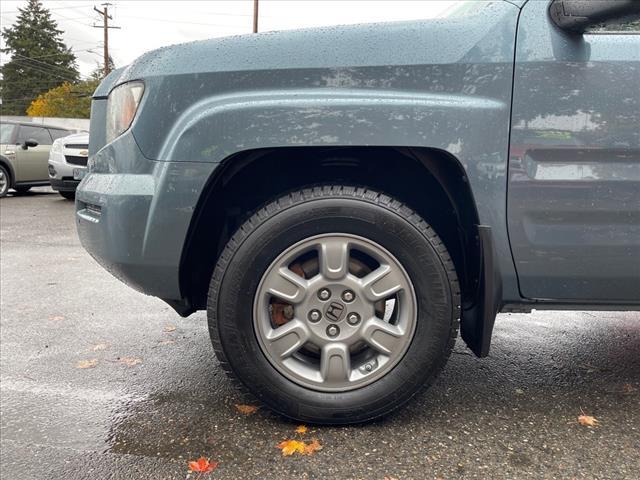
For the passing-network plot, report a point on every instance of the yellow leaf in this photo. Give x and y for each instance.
(301, 429)
(169, 328)
(247, 409)
(87, 363)
(130, 361)
(313, 447)
(289, 447)
(588, 421)
(99, 346)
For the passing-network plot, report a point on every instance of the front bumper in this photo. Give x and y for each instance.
(134, 222)
(65, 184)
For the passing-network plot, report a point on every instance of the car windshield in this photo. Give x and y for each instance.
(6, 131)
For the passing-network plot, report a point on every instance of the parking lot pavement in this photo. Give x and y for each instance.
(99, 381)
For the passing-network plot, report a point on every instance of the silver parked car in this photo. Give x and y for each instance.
(67, 163)
(24, 148)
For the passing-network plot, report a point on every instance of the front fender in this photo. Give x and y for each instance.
(331, 117)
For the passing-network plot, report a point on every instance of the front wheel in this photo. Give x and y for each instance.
(334, 305)
(68, 195)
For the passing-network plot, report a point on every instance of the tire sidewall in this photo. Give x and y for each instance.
(277, 232)
(7, 181)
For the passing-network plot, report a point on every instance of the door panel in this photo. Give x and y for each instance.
(574, 167)
(32, 163)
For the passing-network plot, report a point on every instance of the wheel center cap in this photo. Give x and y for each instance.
(335, 311)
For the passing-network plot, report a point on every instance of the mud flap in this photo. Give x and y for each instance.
(478, 319)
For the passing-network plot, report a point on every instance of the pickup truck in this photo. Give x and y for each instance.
(343, 201)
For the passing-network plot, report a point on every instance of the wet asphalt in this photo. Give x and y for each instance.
(154, 396)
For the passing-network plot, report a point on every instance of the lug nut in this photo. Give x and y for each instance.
(333, 330)
(324, 294)
(353, 319)
(348, 296)
(315, 315)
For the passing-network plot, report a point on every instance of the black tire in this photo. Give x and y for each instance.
(22, 190)
(330, 209)
(5, 181)
(68, 195)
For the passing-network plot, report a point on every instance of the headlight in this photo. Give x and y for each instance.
(57, 146)
(55, 154)
(121, 108)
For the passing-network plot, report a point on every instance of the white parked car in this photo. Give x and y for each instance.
(68, 162)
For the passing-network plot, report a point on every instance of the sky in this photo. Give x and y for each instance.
(146, 25)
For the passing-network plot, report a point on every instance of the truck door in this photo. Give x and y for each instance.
(574, 167)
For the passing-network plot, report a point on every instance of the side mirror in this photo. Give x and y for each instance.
(29, 142)
(576, 16)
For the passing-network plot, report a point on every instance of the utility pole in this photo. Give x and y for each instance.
(255, 16)
(105, 26)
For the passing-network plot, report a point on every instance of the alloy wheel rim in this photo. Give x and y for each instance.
(3, 182)
(335, 312)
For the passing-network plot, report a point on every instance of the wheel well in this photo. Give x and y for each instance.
(432, 182)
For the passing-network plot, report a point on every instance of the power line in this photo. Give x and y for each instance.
(31, 59)
(150, 19)
(46, 72)
(74, 20)
(53, 8)
(61, 54)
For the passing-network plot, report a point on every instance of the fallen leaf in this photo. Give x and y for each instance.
(627, 388)
(166, 342)
(87, 363)
(246, 409)
(130, 361)
(313, 447)
(588, 421)
(301, 429)
(99, 346)
(289, 447)
(56, 318)
(169, 328)
(202, 465)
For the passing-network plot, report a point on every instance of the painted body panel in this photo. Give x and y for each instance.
(443, 83)
(574, 171)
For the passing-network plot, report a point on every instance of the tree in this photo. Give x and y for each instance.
(66, 101)
(39, 59)
(98, 72)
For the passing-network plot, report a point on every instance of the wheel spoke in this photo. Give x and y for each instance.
(381, 335)
(335, 363)
(381, 283)
(334, 258)
(285, 284)
(289, 338)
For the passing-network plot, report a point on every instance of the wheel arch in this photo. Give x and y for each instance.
(431, 181)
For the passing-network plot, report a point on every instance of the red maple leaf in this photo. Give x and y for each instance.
(202, 465)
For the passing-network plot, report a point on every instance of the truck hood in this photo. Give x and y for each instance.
(451, 38)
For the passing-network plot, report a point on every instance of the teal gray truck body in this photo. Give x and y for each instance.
(530, 133)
